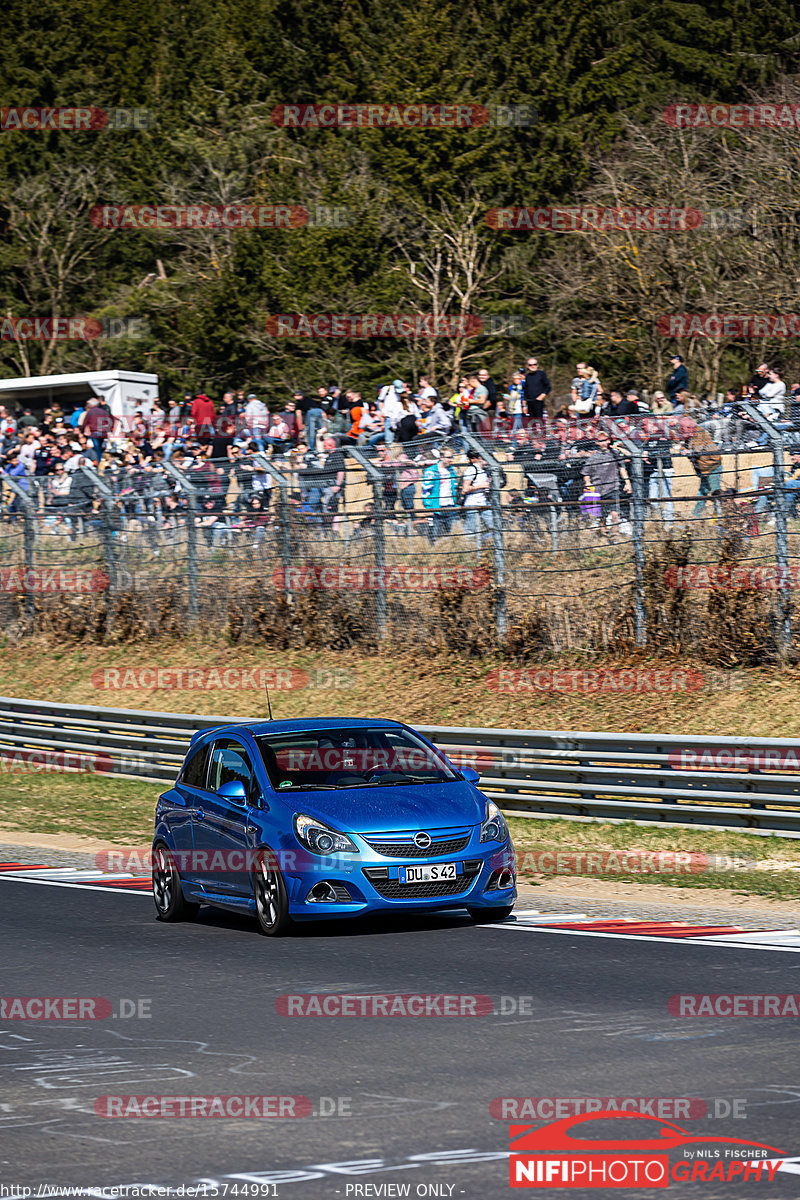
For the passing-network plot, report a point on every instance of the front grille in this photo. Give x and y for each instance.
(393, 889)
(409, 850)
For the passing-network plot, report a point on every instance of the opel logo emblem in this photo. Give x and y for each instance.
(422, 840)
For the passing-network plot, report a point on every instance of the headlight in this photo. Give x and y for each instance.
(321, 839)
(494, 828)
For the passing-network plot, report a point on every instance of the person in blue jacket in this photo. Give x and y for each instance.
(679, 379)
(440, 494)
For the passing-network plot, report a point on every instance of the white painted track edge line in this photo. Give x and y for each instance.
(85, 887)
(645, 937)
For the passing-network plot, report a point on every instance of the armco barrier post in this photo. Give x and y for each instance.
(377, 480)
(284, 522)
(29, 533)
(190, 491)
(781, 535)
(637, 514)
(498, 541)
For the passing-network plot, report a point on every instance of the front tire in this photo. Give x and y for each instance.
(490, 916)
(168, 897)
(272, 902)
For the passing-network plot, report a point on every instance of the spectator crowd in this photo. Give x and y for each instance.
(427, 445)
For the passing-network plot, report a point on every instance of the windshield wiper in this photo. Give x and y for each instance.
(311, 787)
(394, 782)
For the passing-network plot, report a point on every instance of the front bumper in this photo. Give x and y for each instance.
(371, 883)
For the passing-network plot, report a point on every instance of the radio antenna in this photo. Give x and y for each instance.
(269, 706)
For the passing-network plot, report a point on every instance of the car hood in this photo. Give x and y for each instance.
(395, 809)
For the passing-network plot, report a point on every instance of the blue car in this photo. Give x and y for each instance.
(301, 820)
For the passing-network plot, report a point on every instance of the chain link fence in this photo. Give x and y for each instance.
(629, 535)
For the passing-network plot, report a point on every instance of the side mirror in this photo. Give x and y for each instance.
(233, 790)
(470, 774)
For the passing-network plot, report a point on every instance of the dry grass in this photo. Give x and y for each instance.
(417, 683)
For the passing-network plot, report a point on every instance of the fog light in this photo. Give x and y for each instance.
(499, 881)
(326, 893)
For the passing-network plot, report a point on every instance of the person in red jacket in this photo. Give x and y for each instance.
(203, 414)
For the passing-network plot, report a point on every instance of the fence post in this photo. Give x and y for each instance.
(377, 480)
(498, 540)
(284, 522)
(109, 507)
(781, 533)
(191, 535)
(637, 512)
(29, 534)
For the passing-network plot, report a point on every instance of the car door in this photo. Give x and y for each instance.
(220, 824)
(188, 792)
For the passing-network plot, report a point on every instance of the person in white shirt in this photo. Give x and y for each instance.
(426, 389)
(390, 405)
(256, 420)
(27, 451)
(773, 397)
(73, 462)
(514, 399)
(475, 489)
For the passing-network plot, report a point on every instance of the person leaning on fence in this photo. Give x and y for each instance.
(607, 471)
(705, 458)
(660, 406)
(385, 463)
(657, 468)
(475, 487)
(407, 479)
(332, 476)
(440, 494)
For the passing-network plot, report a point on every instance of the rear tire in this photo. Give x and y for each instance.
(490, 916)
(272, 902)
(171, 905)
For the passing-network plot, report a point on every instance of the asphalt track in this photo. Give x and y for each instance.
(412, 1095)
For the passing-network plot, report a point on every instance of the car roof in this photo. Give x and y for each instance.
(259, 728)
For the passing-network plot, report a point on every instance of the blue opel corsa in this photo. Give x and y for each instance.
(300, 820)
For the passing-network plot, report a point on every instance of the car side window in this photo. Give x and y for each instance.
(230, 761)
(194, 772)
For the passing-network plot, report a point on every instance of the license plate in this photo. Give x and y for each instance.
(430, 873)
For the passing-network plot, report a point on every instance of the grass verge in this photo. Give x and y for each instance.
(120, 812)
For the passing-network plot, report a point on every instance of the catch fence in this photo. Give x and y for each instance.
(527, 545)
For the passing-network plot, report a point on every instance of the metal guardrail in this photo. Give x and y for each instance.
(612, 776)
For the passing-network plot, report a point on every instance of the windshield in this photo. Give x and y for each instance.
(345, 758)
